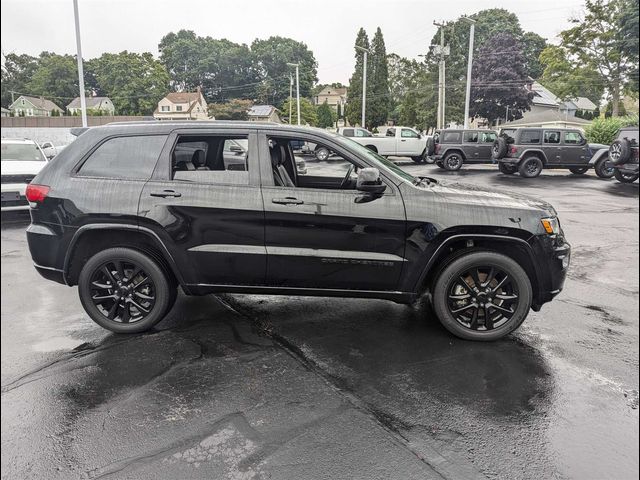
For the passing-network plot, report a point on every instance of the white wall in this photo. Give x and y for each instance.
(57, 136)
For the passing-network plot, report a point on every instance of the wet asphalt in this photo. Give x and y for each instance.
(245, 387)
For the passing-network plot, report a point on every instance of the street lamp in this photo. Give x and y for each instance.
(83, 104)
(297, 65)
(364, 82)
(472, 32)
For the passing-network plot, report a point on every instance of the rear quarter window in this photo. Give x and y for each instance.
(450, 137)
(132, 157)
(528, 137)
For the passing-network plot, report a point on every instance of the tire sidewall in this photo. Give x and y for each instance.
(446, 162)
(624, 179)
(161, 284)
(523, 167)
(600, 168)
(481, 259)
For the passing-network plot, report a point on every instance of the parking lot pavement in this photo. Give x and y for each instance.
(276, 387)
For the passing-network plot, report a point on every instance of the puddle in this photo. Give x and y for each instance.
(56, 343)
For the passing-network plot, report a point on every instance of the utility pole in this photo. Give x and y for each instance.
(364, 84)
(472, 32)
(83, 103)
(443, 51)
(290, 96)
(297, 65)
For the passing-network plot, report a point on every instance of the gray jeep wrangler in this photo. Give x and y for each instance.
(529, 150)
(450, 149)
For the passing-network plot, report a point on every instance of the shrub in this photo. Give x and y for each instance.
(604, 130)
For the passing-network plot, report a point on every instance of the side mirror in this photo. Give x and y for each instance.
(369, 181)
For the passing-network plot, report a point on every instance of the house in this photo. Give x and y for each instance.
(94, 105)
(182, 106)
(544, 99)
(334, 96)
(34, 107)
(6, 112)
(264, 113)
(551, 118)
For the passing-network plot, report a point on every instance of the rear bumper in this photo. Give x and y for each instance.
(509, 160)
(44, 246)
(13, 197)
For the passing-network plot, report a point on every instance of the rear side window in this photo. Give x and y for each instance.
(132, 157)
(348, 132)
(488, 137)
(552, 137)
(530, 136)
(471, 137)
(450, 137)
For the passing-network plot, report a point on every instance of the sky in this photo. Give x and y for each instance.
(328, 27)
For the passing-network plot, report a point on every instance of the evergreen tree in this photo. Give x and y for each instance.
(326, 115)
(353, 110)
(378, 105)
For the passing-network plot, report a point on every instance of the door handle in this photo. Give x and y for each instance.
(403, 140)
(166, 193)
(287, 201)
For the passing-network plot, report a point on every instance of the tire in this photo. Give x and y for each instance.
(530, 167)
(453, 162)
(429, 160)
(420, 158)
(157, 293)
(499, 149)
(321, 153)
(602, 170)
(579, 170)
(625, 177)
(505, 299)
(620, 151)
(440, 165)
(431, 146)
(507, 168)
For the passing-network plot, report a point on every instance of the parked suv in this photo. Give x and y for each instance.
(123, 214)
(453, 148)
(529, 150)
(623, 155)
(22, 159)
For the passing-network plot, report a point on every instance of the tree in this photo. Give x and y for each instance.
(597, 42)
(353, 110)
(533, 45)
(234, 109)
(16, 74)
(308, 112)
(56, 78)
(326, 116)
(629, 32)
(498, 84)
(134, 82)
(378, 106)
(270, 59)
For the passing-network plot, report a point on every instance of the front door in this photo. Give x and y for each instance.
(410, 143)
(575, 150)
(485, 144)
(320, 231)
(207, 210)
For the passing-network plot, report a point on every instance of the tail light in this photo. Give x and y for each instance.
(36, 193)
(437, 148)
(513, 150)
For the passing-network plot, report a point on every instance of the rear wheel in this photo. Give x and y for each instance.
(530, 167)
(420, 158)
(507, 168)
(322, 153)
(125, 291)
(625, 177)
(578, 170)
(602, 170)
(452, 162)
(482, 296)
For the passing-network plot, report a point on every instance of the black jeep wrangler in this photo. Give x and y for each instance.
(450, 149)
(623, 155)
(129, 212)
(529, 150)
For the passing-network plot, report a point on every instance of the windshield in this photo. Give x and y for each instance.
(22, 152)
(375, 158)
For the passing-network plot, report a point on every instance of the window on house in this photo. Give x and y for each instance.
(178, 108)
(164, 108)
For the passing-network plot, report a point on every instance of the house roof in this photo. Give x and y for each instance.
(91, 102)
(333, 91)
(539, 119)
(38, 102)
(183, 97)
(261, 110)
(5, 110)
(583, 103)
(543, 96)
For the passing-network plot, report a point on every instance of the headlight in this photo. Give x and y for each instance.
(551, 225)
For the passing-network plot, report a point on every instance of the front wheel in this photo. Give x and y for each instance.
(578, 170)
(625, 177)
(420, 158)
(482, 296)
(602, 170)
(125, 291)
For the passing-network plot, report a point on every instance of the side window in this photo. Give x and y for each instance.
(348, 132)
(211, 159)
(450, 137)
(362, 133)
(573, 138)
(471, 137)
(132, 157)
(407, 133)
(488, 137)
(530, 136)
(391, 132)
(552, 137)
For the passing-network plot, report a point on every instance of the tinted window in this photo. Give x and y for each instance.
(125, 157)
(530, 136)
(362, 133)
(552, 137)
(450, 137)
(391, 132)
(471, 137)
(348, 132)
(406, 133)
(488, 137)
(572, 138)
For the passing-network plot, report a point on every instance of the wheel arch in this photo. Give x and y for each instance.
(373, 148)
(534, 153)
(454, 150)
(90, 239)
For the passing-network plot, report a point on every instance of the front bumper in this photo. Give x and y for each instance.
(553, 254)
(13, 197)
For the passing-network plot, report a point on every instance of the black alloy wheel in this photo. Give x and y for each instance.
(625, 177)
(530, 167)
(125, 291)
(452, 162)
(603, 170)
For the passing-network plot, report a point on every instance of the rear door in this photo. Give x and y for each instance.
(470, 145)
(209, 213)
(485, 144)
(575, 150)
(553, 149)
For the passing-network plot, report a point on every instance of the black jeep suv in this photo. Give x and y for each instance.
(129, 212)
(453, 148)
(623, 155)
(529, 150)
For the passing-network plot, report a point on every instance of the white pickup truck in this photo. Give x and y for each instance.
(396, 142)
